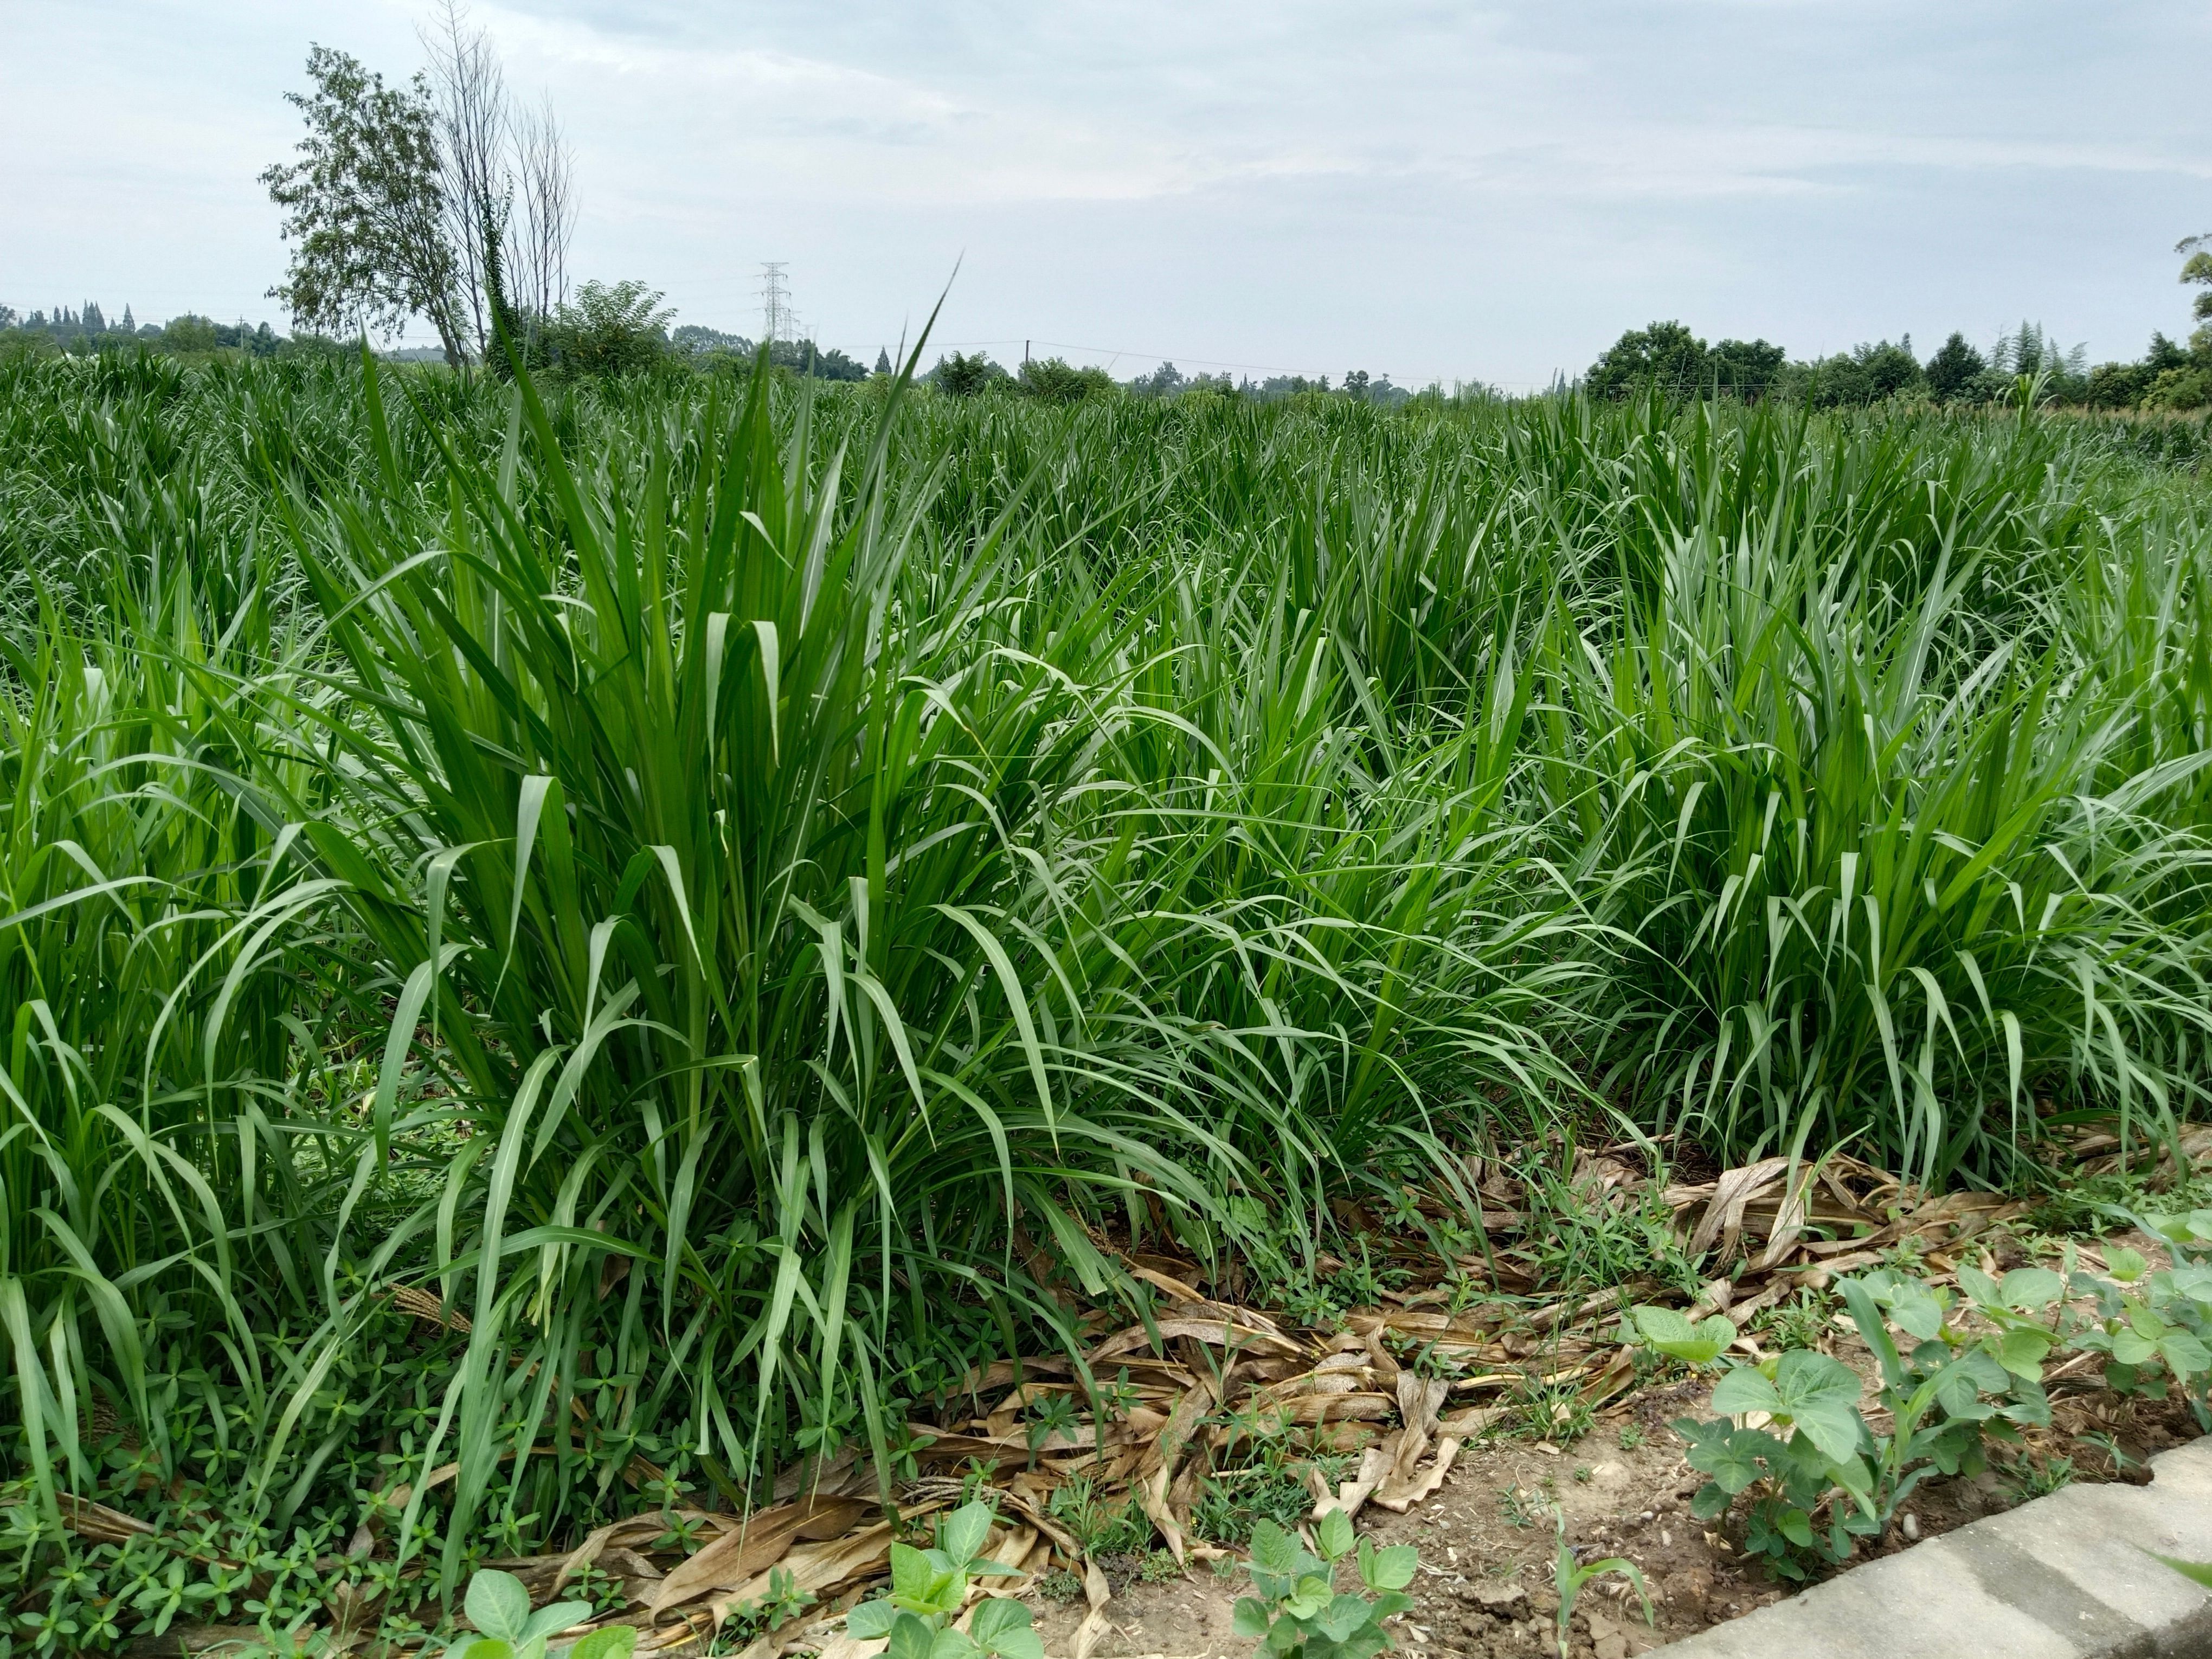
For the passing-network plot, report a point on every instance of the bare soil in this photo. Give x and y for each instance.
(1487, 1541)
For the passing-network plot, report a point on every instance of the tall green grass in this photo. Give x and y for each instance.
(750, 898)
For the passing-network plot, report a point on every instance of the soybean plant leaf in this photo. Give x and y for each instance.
(1746, 1388)
(1343, 1616)
(2031, 1288)
(1673, 1334)
(911, 1638)
(911, 1573)
(1274, 1550)
(1821, 1395)
(2129, 1347)
(949, 1644)
(485, 1647)
(2124, 1264)
(1979, 1285)
(871, 1620)
(2021, 1351)
(1334, 1535)
(557, 1617)
(1734, 1462)
(1251, 1621)
(2184, 1354)
(1956, 1390)
(1712, 1498)
(615, 1642)
(1916, 1310)
(1312, 1595)
(498, 1605)
(1796, 1526)
(1988, 1372)
(2195, 1283)
(964, 1531)
(1003, 1627)
(1394, 1568)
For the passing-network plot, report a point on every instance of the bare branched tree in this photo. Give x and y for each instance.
(506, 176)
(538, 236)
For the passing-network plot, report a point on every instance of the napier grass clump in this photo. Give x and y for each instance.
(612, 939)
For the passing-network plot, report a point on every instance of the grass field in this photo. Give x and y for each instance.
(751, 901)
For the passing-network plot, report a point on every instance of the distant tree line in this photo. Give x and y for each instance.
(1055, 381)
(2024, 366)
(86, 329)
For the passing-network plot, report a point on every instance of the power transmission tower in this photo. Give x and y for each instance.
(776, 319)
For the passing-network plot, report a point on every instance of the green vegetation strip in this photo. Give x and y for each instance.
(753, 900)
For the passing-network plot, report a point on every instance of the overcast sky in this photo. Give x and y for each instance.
(1428, 190)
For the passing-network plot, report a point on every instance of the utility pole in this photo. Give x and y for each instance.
(775, 302)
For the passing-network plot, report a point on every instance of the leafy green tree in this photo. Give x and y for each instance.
(616, 329)
(822, 362)
(2198, 268)
(1666, 355)
(1953, 370)
(882, 360)
(363, 208)
(1748, 368)
(962, 376)
(1055, 381)
(189, 333)
(697, 340)
(1866, 375)
(1165, 381)
(2119, 386)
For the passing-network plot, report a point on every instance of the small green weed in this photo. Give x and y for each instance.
(1569, 1578)
(1519, 1507)
(2037, 1477)
(1799, 1322)
(1060, 1585)
(1097, 1527)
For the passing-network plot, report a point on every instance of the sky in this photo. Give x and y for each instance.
(1432, 192)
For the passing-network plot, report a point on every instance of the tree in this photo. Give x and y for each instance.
(821, 362)
(1164, 381)
(364, 208)
(2198, 268)
(615, 330)
(1953, 370)
(697, 340)
(962, 376)
(1666, 355)
(1746, 367)
(189, 333)
(505, 181)
(1355, 383)
(882, 359)
(1055, 381)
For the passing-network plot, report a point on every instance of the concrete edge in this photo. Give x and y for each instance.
(2062, 1576)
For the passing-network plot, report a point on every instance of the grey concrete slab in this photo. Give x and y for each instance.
(2064, 1577)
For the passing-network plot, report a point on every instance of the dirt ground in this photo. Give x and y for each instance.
(1487, 1541)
